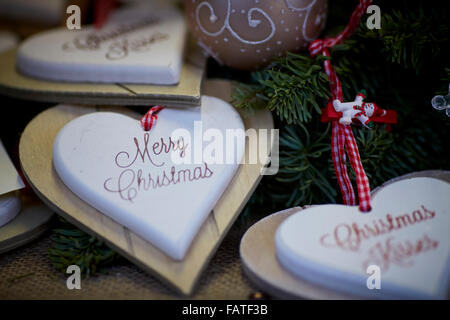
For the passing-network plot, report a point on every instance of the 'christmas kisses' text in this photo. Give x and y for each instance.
(388, 250)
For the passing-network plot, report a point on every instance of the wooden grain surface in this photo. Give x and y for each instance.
(257, 250)
(35, 152)
(186, 93)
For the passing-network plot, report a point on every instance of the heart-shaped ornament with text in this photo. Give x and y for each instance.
(398, 250)
(161, 184)
(139, 44)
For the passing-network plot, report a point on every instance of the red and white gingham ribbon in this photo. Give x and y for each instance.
(342, 139)
(149, 119)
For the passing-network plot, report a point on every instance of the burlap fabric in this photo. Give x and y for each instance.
(26, 273)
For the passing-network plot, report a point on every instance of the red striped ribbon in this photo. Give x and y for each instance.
(102, 10)
(149, 119)
(342, 139)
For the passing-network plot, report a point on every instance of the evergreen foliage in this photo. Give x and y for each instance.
(72, 246)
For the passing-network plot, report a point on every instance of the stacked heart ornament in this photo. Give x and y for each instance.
(155, 182)
(401, 249)
(139, 44)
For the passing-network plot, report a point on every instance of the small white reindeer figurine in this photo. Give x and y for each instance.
(358, 109)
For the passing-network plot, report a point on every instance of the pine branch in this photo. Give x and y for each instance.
(304, 155)
(72, 246)
(413, 36)
(294, 87)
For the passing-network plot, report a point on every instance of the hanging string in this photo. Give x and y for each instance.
(149, 119)
(342, 140)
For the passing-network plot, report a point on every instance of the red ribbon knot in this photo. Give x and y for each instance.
(149, 119)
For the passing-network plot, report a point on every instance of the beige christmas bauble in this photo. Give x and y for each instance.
(248, 34)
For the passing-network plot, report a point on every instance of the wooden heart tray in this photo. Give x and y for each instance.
(257, 250)
(185, 93)
(35, 151)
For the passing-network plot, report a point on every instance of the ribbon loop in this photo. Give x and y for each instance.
(149, 119)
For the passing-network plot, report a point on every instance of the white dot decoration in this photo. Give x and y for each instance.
(245, 32)
(317, 22)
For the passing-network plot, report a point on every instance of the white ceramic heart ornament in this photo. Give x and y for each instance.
(406, 235)
(139, 44)
(131, 175)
